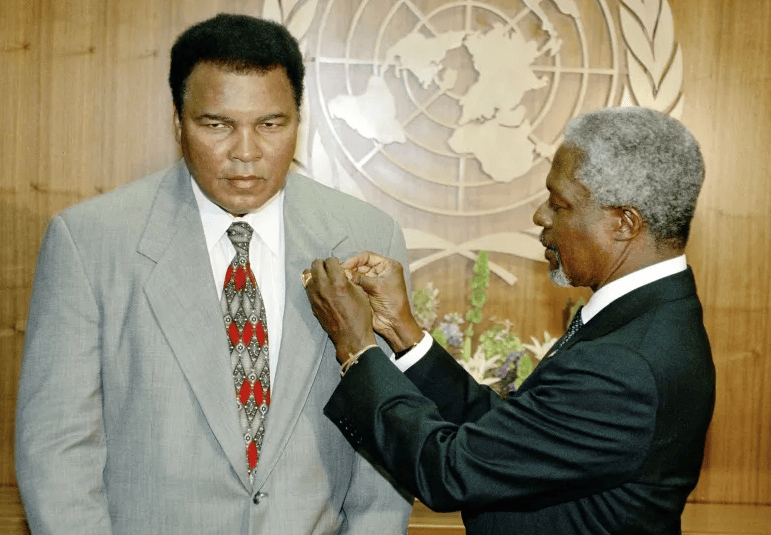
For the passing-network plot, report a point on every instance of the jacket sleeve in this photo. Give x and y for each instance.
(584, 426)
(375, 504)
(60, 448)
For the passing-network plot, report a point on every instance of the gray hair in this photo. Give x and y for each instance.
(644, 159)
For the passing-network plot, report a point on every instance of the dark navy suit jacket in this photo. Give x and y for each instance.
(605, 437)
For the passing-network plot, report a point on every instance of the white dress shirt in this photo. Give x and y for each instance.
(618, 288)
(266, 257)
(599, 300)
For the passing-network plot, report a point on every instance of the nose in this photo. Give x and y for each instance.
(246, 146)
(542, 215)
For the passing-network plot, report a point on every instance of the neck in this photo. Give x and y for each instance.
(637, 255)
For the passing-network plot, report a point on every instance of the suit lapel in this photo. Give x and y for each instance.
(634, 304)
(183, 296)
(303, 340)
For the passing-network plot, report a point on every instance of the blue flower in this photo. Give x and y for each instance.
(452, 333)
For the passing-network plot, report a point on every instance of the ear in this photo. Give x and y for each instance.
(629, 223)
(177, 125)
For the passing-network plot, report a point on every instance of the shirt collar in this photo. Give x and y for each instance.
(618, 288)
(266, 220)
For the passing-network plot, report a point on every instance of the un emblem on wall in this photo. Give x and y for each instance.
(451, 111)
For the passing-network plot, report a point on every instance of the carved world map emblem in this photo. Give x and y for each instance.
(448, 112)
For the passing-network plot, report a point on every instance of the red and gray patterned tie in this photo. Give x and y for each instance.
(247, 330)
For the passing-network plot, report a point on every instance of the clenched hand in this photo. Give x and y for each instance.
(383, 280)
(341, 307)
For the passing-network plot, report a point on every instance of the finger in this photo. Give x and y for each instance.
(357, 260)
(340, 277)
(318, 271)
(363, 261)
(361, 276)
(354, 276)
(366, 282)
(305, 277)
(333, 270)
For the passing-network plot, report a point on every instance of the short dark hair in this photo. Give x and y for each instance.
(237, 43)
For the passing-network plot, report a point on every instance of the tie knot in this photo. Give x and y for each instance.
(240, 234)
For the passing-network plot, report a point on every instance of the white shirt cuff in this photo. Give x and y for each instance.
(414, 354)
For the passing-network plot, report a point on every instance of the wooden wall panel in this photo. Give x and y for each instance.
(20, 229)
(727, 46)
(85, 107)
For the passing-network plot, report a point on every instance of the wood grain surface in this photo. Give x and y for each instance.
(85, 107)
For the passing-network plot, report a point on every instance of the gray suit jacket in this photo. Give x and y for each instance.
(126, 421)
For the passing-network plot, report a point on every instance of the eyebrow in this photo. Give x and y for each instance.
(213, 117)
(270, 116)
(226, 119)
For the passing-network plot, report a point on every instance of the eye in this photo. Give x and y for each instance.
(271, 125)
(274, 122)
(554, 204)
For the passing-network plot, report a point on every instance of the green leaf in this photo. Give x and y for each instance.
(439, 336)
(478, 298)
(474, 315)
(423, 298)
(477, 283)
(424, 306)
(499, 341)
(482, 265)
(466, 354)
(525, 368)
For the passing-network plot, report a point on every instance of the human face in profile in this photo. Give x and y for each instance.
(238, 133)
(578, 233)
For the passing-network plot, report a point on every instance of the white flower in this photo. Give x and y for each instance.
(538, 349)
(479, 365)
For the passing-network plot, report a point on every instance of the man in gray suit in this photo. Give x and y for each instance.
(152, 302)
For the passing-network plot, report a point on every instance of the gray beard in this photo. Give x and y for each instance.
(558, 275)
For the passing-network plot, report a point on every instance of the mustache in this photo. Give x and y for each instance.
(543, 241)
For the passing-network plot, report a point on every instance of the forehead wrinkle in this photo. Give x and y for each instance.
(234, 93)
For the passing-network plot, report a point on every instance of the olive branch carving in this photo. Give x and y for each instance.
(654, 60)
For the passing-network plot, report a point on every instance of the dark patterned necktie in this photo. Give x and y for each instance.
(575, 324)
(247, 330)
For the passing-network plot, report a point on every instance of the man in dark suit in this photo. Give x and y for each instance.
(607, 435)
